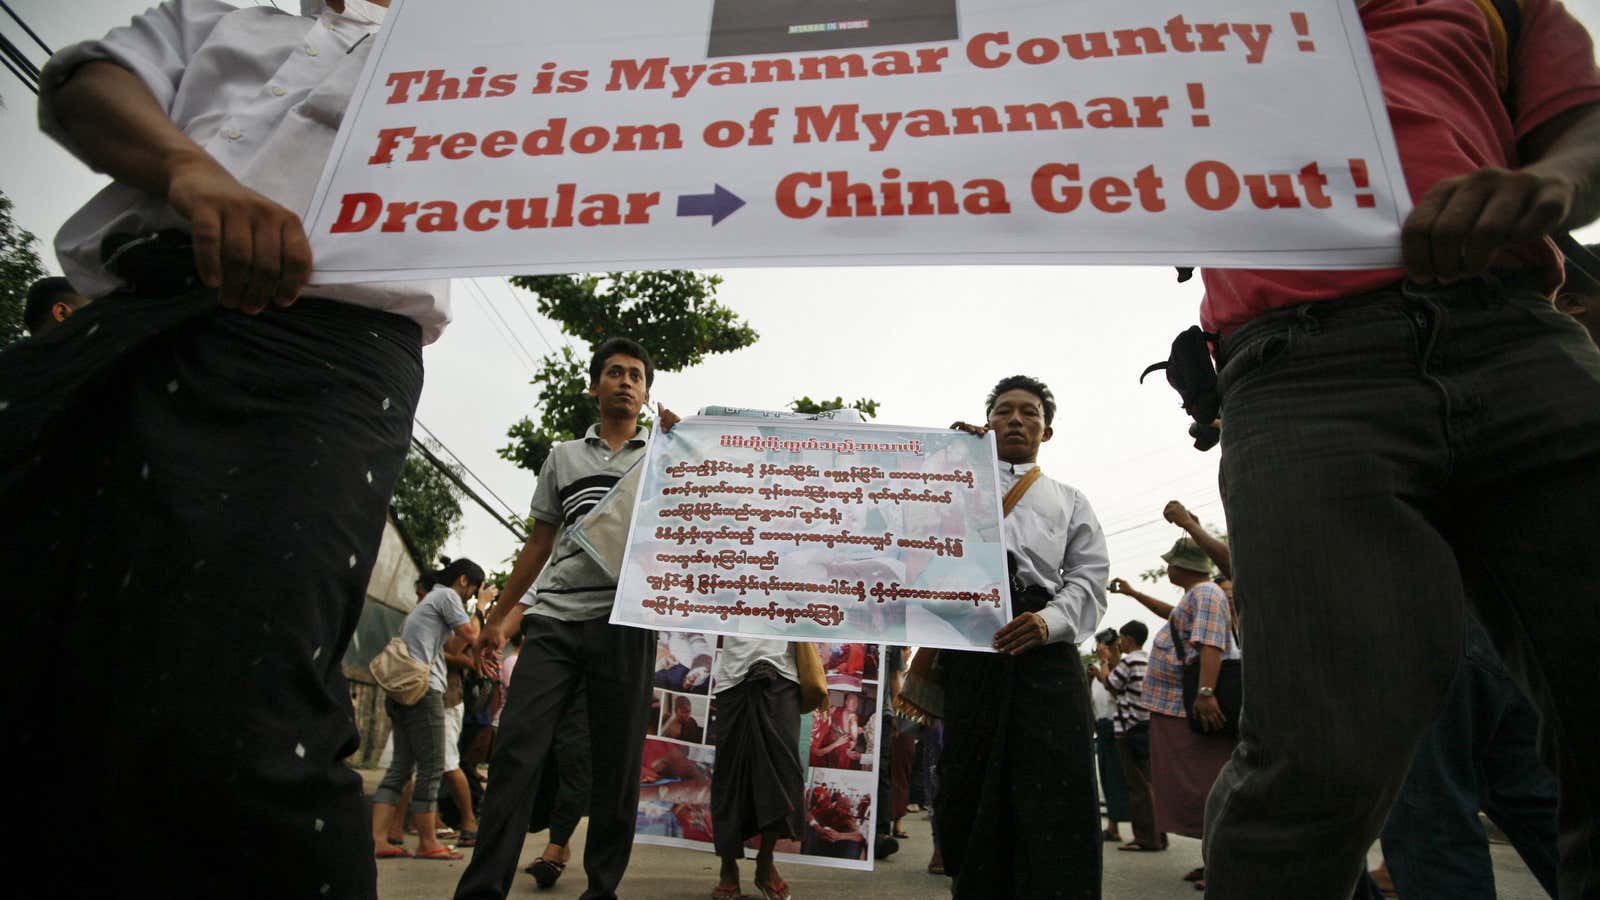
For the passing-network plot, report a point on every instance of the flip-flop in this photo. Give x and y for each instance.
(724, 892)
(779, 891)
(467, 839)
(440, 853)
(1132, 847)
(392, 853)
(396, 842)
(1110, 837)
(546, 872)
(902, 836)
(1195, 874)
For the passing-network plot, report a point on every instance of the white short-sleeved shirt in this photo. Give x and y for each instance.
(738, 654)
(428, 626)
(263, 92)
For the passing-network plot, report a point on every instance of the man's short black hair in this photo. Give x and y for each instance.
(628, 347)
(1033, 386)
(42, 295)
(1136, 630)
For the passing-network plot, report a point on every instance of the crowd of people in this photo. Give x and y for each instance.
(199, 451)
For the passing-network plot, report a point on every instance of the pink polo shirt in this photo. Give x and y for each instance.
(1436, 62)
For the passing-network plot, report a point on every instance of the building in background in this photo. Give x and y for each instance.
(391, 594)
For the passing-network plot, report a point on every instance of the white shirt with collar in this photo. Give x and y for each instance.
(1059, 546)
(263, 92)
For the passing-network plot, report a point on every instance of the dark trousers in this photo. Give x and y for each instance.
(418, 750)
(1386, 458)
(613, 664)
(198, 497)
(1133, 751)
(932, 750)
(1480, 754)
(1017, 812)
(574, 780)
(1113, 784)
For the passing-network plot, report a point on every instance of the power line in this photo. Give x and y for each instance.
(36, 39)
(465, 468)
(28, 82)
(521, 356)
(19, 65)
(517, 302)
(455, 479)
(528, 357)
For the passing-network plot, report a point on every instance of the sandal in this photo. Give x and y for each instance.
(467, 839)
(392, 853)
(546, 872)
(1195, 874)
(724, 892)
(902, 836)
(1136, 847)
(440, 853)
(779, 891)
(1111, 837)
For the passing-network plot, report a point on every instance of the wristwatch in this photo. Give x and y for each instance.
(1207, 692)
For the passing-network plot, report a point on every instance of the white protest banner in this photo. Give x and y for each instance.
(838, 750)
(811, 530)
(529, 136)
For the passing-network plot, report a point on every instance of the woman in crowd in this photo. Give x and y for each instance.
(419, 731)
(1185, 760)
(758, 786)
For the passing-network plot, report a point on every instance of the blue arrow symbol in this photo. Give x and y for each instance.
(719, 204)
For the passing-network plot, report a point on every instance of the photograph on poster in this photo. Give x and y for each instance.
(680, 756)
(740, 27)
(683, 661)
(842, 738)
(838, 814)
(847, 665)
(684, 717)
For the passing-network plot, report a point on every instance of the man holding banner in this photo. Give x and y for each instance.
(568, 644)
(1439, 427)
(1018, 810)
(200, 463)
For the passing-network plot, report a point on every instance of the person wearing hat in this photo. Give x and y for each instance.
(1185, 760)
(200, 463)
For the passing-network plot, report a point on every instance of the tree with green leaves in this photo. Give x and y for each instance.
(810, 407)
(20, 267)
(427, 504)
(674, 314)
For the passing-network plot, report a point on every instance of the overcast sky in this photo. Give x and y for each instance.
(927, 343)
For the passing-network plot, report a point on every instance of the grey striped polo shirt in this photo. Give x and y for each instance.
(573, 587)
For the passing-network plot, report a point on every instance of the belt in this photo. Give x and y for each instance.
(156, 264)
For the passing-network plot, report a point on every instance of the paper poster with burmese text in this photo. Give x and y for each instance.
(817, 530)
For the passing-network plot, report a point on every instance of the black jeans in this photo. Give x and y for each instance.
(1480, 754)
(613, 664)
(1385, 458)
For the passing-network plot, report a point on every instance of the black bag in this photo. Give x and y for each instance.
(1192, 373)
(1229, 692)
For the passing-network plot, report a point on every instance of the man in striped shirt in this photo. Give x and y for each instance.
(1126, 684)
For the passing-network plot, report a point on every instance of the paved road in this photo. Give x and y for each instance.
(659, 873)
